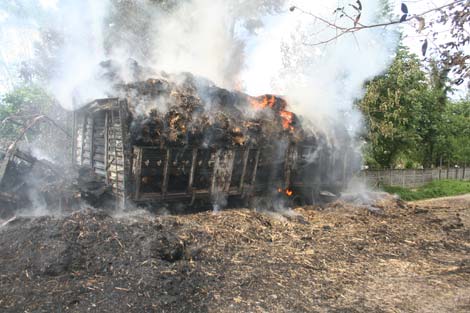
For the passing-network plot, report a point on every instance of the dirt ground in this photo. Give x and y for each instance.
(393, 257)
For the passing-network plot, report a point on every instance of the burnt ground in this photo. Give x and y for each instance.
(343, 258)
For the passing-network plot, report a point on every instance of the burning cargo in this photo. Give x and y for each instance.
(182, 139)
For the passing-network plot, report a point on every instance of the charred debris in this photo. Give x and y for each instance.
(179, 139)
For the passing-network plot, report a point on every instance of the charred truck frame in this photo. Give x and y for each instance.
(191, 142)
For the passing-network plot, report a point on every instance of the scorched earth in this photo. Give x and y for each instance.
(397, 257)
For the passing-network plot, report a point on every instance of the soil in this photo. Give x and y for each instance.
(392, 257)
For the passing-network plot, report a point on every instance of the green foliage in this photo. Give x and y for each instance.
(390, 106)
(454, 135)
(433, 189)
(434, 102)
(23, 102)
(410, 120)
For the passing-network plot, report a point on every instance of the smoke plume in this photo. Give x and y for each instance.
(321, 81)
(256, 46)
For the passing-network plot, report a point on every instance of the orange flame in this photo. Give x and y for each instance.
(287, 119)
(263, 102)
(270, 101)
(289, 192)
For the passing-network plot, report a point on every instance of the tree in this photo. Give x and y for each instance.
(22, 103)
(454, 139)
(431, 115)
(455, 14)
(390, 106)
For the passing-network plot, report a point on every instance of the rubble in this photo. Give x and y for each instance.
(27, 183)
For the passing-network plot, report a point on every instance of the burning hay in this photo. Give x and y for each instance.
(187, 110)
(180, 138)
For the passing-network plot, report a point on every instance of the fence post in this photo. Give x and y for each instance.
(403, 177)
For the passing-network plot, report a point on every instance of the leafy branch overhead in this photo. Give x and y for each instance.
(454, 15)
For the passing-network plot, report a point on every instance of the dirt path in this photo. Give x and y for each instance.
(344, 258)
(462, 201)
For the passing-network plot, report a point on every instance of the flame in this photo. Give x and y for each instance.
(288, 192)
(287, 119)
(279, 105)
(263, 102)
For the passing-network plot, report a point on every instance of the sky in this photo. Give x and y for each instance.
(17, 42)
(415, 40)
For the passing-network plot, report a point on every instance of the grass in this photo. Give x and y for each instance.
(435, 189)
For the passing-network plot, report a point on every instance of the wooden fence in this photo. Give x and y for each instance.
(412, 178)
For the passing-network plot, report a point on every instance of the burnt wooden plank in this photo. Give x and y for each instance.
(74, 138)
(179, 170)
(100, 165)
(99, 158)
(112, 163)
(237, 168)
(91, 140)
(289, 163)
(126, 140)
(165, 172)
(137, 170)
(106, 146)
(100, 150)
(99, 141)
(193, 169)
(245, 162)
(114, 178)
(253, 179)
(82, 139)
(100, 172)
(118, 179)
(113, 118)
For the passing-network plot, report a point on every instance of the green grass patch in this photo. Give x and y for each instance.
(435, 189)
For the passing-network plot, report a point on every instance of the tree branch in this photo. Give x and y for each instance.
(358, 27)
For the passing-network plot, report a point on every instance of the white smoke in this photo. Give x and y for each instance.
(258, 45)
(77, 79)
(275, 52)
(199, 37)
(321, 81)
(78, 25)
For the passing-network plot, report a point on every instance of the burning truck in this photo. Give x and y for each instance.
(181, 139)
